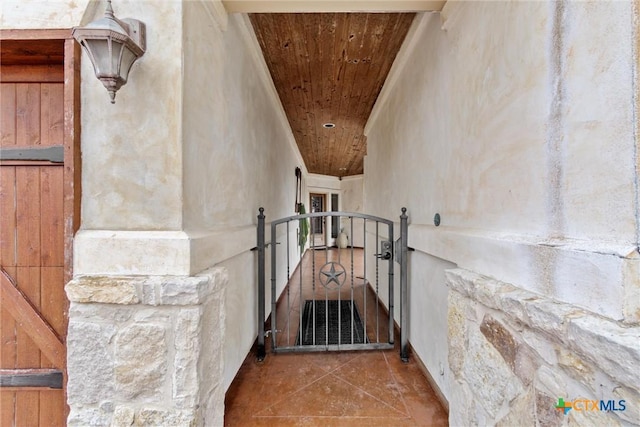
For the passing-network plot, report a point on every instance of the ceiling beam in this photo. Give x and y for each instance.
(300, 6)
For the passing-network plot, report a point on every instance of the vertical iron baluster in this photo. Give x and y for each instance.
(326, 246)
(352, 302)
(261, 271)
(326, 310)
(273, 286)
(404, 298)
(288, 290)
(391, 293)
(300, 304)
(339, 305)
(313, 283)
(364, 276)
(377, 284)
(328, 256)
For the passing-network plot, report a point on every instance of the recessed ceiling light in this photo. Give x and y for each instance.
(343, 169)
(329, 125)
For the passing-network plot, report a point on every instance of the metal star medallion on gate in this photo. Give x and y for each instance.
(332, 272)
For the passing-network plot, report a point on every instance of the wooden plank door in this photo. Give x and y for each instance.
(33, 309)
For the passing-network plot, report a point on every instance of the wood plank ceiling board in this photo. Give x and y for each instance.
(330, 68)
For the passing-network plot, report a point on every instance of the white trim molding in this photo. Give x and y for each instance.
(218, 12)
(291, 6)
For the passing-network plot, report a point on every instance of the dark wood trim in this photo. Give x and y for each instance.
(5, 390)
(28, 163)
(72, 157)
(72, 152)
(31, 74)
(53, 153)
(26, 316)
(27, 378)
(36, 34)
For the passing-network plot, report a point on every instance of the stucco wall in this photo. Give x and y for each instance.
(352, 189)
(37, 14)
(238, 156)
(581, 124)
(238, 150)
(134, 161)
(352, 193)
(517, 128)
(176, 188)
(132, 179)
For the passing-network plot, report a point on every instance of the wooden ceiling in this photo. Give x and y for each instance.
(329, 68)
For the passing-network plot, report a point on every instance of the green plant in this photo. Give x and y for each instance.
(304, 228)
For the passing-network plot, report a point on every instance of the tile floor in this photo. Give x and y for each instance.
(358, 388)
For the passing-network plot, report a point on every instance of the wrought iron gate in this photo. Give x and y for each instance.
(337, 298)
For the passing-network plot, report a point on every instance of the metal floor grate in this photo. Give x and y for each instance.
(342, 327)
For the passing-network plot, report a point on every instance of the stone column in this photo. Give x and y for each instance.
(146, 350)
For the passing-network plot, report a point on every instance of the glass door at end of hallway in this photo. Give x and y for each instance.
(317, 204)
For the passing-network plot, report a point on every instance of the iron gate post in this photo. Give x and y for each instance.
(392, 310)
(404, 298)
(261, 271)
(274, 327)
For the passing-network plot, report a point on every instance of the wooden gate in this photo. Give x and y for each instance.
(37, 223)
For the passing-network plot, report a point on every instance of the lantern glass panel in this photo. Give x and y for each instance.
(128, 58)
(100, 54)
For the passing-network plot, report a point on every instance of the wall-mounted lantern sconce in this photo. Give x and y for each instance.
(113, 45)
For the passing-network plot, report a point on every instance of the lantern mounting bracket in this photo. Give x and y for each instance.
(136, 32)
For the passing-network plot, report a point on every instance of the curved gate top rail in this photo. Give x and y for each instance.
(331, 214)
(322, 304)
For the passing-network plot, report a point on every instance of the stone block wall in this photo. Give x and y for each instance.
(513, 354)
(143, 350)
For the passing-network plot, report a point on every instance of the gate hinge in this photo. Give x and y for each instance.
(399, 252)
(269, 332)
(266, 245)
